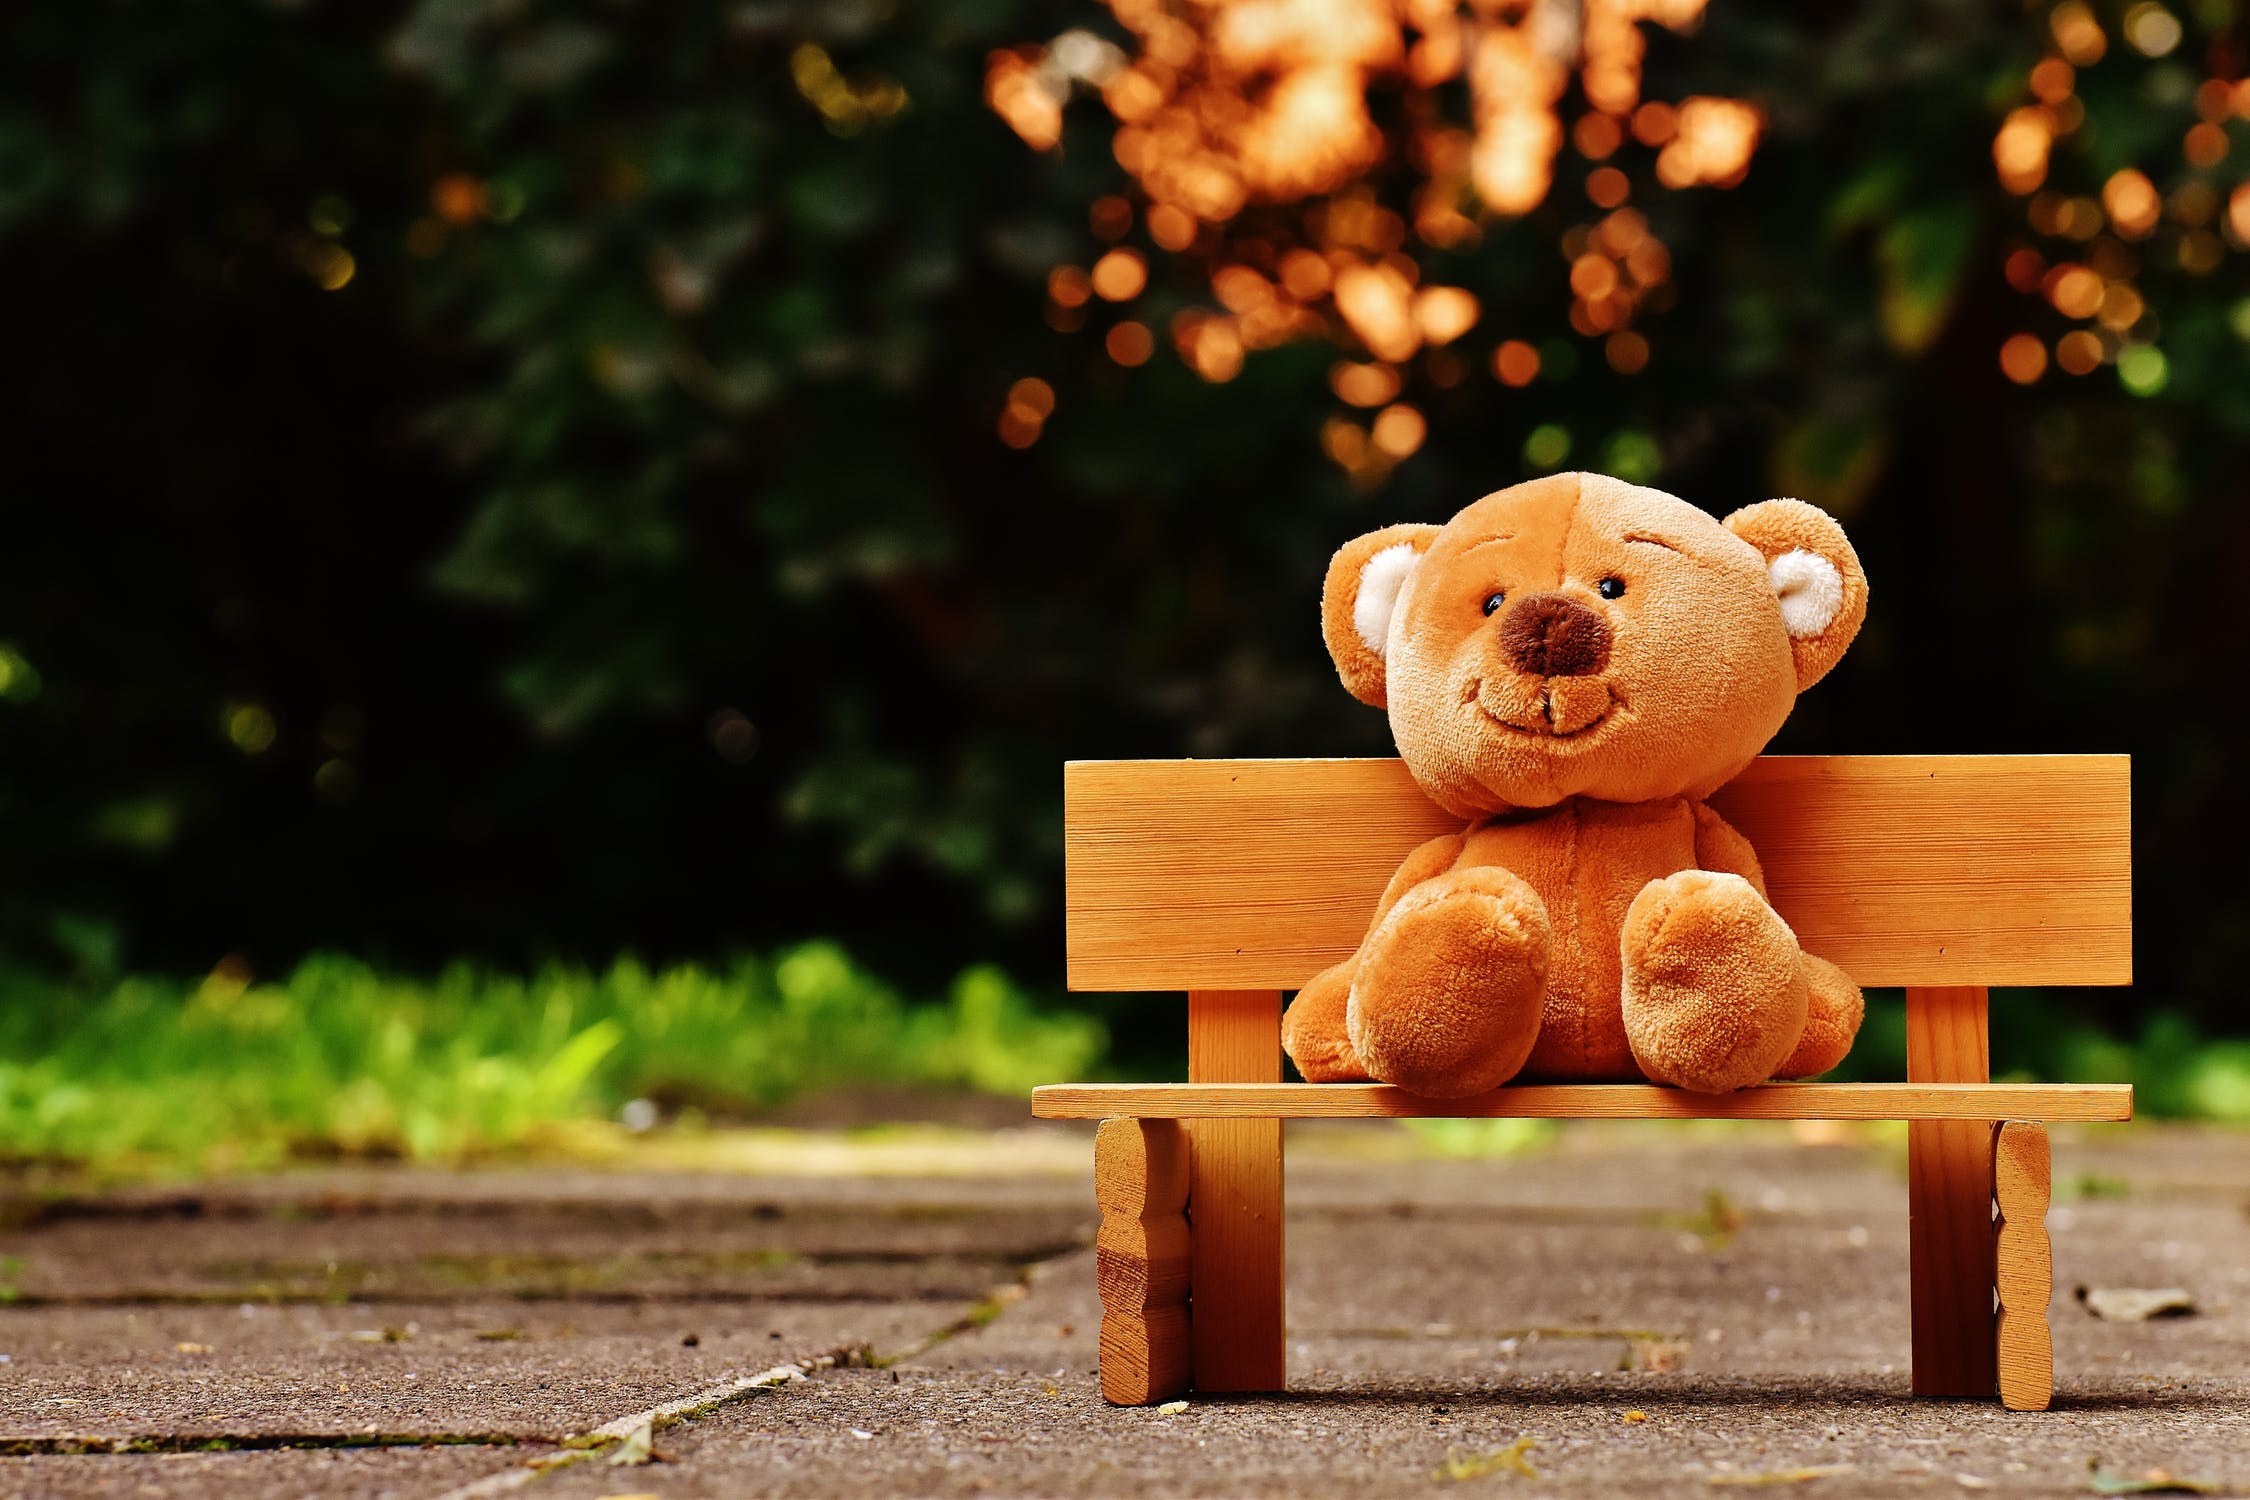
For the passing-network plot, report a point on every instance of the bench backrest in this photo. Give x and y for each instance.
(1906, 870)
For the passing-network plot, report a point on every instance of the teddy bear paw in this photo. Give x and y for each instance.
(1313, 1031)
(1715, 995)
(1831, 1021)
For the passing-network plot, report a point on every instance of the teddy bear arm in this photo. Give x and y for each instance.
(1720, 848)
(1833, 1013)
(1313, 1031)
(1426, 862)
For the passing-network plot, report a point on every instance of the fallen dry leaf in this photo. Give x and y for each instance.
(1513, 1459)
(2148, 1482)
(1657, 1356)
(639, 1447)
(2137, 1304)
(1785, 1476)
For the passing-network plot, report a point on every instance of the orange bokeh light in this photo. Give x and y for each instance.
(458, 198)
(1515, 363)
(2132, 202)
(2020, 150)
(2023, 358)
(2075, 291)
(2052, 79)
(1363, 384)
(1129, 343)
(1398, 431)
(1120, 275)
(2078, 352)
(2025, 269)
(1067, 286)
(1626, 351)
(2205, 144)
(1033, 398)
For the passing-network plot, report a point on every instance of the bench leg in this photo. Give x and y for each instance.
(1949, 1202)
(2024, 1265)
(1141, 1258)
(1234, 1203)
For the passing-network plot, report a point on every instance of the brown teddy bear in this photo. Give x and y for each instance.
(1573, 665)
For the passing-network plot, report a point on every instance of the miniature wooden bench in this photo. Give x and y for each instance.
(1237, 880)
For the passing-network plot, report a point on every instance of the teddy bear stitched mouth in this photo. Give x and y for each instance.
(1544, 726)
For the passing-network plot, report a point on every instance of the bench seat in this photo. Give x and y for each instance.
(1586, 1101)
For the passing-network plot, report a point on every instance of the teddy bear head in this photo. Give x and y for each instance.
(1577, 636)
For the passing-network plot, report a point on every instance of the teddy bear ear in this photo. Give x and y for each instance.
(1816, 578)
(1360, 598)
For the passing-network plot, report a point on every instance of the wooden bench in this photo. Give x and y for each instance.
(1237, 880)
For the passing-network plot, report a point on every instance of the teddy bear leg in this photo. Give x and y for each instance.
(1715, 996)
(1831, 1020)
(1313, 1032)
(1447, 999)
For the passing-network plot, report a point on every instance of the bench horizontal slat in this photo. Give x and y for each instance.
(1588, 1101)
(1906, 870)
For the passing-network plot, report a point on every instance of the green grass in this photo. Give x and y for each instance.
(339, 1059)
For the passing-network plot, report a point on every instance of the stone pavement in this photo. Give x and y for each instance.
(1627, 1309)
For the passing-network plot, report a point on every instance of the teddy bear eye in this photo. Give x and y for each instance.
(1611, 588)
(1493, 601)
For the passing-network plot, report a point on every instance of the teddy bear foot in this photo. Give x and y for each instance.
(1313, 1031)
(1715, 995)
(1447, 999)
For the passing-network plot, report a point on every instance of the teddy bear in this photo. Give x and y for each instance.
(1572, 666)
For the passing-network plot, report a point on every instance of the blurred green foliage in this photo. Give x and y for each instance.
(340, 1059)
(2178, 1069)
(519, 480)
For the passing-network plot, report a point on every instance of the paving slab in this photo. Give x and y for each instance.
(1623, 1310)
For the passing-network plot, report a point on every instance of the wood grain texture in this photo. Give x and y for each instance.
(1907, 870)
(2023, 1265)
(1139, 1170)
(1141, 1259)
(1949, 1201)
(1589, 1101)
(1234, 1198)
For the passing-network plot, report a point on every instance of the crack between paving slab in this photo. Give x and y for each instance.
(245, 1442)
(266, 1293)
(587, 1445)
(410, 1297)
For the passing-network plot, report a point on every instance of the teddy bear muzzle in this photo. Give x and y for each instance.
(1553, 635)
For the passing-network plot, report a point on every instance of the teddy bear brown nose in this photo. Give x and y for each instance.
(1553, 635)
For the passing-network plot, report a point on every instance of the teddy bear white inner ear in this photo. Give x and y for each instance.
(1380, 583)
(1810, 589)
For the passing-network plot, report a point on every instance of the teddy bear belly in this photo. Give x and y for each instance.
(1587, 861)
